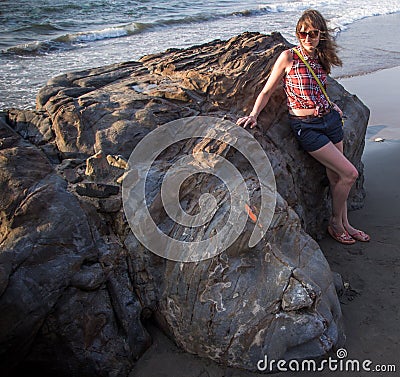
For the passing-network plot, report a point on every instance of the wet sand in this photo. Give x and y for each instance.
(371, 302)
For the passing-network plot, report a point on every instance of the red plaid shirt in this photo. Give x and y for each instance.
(302, 90)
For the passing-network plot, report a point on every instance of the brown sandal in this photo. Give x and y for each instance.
(344, 238)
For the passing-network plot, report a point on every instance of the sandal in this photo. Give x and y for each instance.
(361, 236)
(344, 238)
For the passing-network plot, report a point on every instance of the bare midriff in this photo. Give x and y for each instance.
(302, 112)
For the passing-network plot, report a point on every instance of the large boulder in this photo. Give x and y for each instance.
(95, 280)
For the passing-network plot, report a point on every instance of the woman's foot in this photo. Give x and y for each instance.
(358, 235)
(342, 237)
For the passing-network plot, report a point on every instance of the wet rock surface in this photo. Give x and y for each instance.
(75, 283)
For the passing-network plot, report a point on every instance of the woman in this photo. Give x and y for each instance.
(317, 125)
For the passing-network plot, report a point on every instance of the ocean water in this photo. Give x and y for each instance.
(42, 39)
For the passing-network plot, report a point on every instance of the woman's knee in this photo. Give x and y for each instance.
(350, 175)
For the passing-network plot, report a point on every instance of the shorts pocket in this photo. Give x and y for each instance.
(296, 127)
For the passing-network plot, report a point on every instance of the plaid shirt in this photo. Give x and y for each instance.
(302, 91)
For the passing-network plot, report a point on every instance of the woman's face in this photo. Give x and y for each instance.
(309, 38)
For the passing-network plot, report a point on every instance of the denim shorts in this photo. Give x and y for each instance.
(314, 133)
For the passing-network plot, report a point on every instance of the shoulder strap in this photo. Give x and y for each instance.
(313, 73)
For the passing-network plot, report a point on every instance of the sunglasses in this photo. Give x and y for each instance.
(311, 34)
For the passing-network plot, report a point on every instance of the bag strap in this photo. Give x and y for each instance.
(313, 73)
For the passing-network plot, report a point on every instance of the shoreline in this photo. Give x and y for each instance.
(370, 300)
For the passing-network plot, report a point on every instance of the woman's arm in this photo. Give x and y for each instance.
(281, 66)
(337, 108)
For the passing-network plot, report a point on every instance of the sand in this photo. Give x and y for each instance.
(371, 309)
(371, 302)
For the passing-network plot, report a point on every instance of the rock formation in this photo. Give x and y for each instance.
(76, 285)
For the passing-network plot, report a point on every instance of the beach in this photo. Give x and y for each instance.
(370, 295)
(370, 301)
(371, 304)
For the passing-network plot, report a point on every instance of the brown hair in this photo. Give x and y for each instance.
(327, 47)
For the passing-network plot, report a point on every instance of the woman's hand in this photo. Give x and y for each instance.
(249, 120)
(337, 108)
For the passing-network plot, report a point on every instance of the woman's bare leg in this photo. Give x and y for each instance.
(342, 174)
(333, 179)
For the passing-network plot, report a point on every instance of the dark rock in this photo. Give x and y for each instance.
(57, 296)
(110, 205)
(71, 176)
(34, 126)
(96, 190)
(277, 299)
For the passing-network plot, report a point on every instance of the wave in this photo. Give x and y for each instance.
(80, 39)
(38, 27)
(74, 40)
